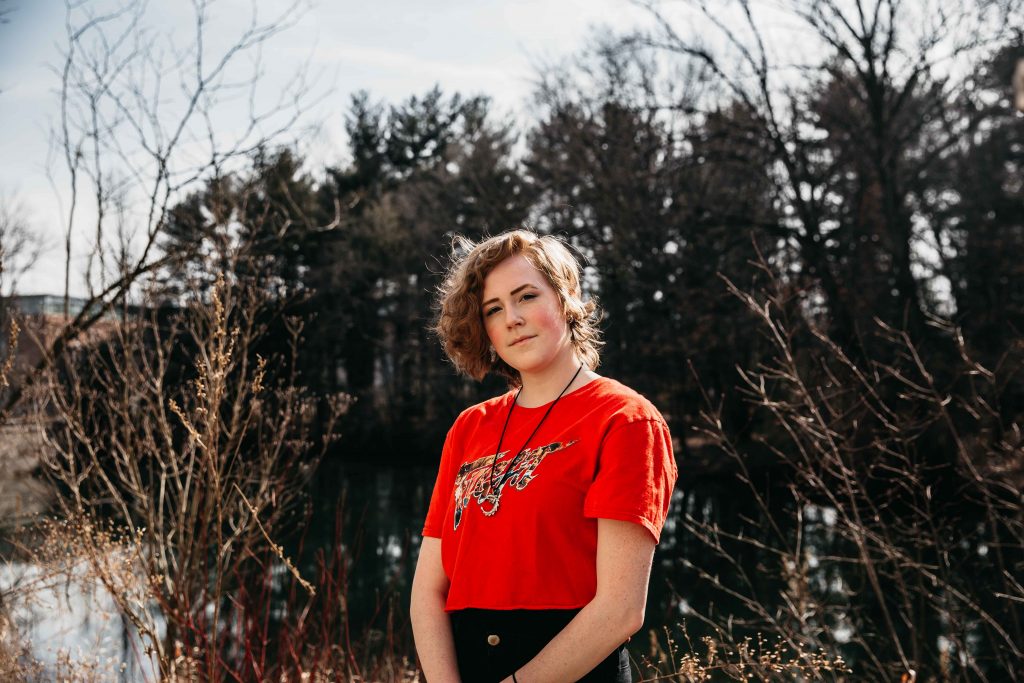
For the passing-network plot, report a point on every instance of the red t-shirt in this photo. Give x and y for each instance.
(603, 452)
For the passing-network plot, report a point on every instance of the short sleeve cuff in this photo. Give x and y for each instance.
(625, 516)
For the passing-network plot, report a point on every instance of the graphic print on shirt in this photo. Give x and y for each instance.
(473, 479)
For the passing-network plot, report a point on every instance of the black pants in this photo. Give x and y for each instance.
(491, 644)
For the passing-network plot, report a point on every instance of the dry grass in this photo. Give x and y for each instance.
(311, 641)
(51, 584)
(196, 470)
(750, 659)
(916, 459)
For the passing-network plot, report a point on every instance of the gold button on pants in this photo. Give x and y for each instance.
(493, 639)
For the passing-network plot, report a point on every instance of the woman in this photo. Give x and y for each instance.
(549, 499)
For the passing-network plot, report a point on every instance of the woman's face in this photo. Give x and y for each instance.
(524, 319)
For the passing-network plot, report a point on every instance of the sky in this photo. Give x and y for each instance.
(391, 48)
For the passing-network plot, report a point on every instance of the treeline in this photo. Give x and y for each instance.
(880, 202)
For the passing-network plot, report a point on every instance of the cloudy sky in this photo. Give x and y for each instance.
(393, 48)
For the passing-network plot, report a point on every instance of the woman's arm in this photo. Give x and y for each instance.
(431, 627)
(624, 554)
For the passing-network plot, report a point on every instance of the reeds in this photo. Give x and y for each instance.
(881, 513)
(750, 659)
(274, 630)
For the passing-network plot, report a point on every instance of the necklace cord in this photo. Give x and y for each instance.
(496, 492)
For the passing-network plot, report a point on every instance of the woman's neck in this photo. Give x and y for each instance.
(539, 390)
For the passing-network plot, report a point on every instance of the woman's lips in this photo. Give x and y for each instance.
(520, 341)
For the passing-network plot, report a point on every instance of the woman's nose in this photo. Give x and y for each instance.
(512, 317)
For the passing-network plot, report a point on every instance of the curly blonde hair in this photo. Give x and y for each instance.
(459, 323)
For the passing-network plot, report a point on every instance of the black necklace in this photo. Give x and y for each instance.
(494, 494)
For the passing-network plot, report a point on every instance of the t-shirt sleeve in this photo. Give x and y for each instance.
(442, 495)
(636, 472)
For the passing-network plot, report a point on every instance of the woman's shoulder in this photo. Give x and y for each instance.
(622, 402)
(483, 409)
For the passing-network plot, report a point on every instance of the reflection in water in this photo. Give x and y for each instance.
(72, 617)
(384, 509)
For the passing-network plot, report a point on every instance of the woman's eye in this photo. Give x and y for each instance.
(488, 312)
(528, 296)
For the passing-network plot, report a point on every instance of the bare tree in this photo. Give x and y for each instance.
(143, 118)
(870, 541)
(194, 468)
(19, 250)
(20, 247)
(853, 123)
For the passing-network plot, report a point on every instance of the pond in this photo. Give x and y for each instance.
(383, 510)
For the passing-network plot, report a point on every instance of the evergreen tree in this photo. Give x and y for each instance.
(420, 172)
